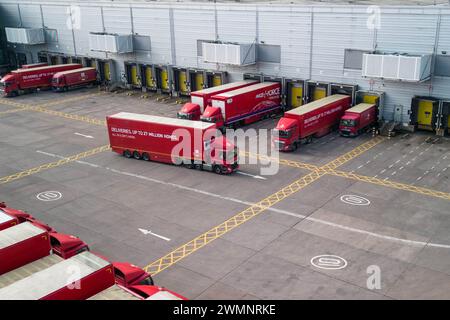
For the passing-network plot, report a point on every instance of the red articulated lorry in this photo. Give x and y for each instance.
(64, 80)
(28, 80)
(314, 119)
(7, 220)
(202, 98)
(195, 144)
(243, 106)
(26, 242)
(357, 119)
(76, 278)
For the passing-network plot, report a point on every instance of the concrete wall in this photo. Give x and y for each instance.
(312, 38)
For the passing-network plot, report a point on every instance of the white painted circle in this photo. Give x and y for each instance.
(49, 196)
(329, 262)
(355, 200)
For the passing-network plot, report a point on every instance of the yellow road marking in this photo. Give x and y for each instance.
(252, 211)
(50, 165)
(41, 108)
(12, 111)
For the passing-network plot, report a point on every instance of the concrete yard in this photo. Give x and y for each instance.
(398, 225)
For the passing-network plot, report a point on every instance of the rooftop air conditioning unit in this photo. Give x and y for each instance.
(28, 36)
(113, 43)
(229, 53)
(397, 67)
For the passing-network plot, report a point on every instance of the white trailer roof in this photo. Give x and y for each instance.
(114, 293)
(253, 87)
(359, 108)
(47, 281)
(223, 87)
(57, 66)
(163, 295)
(76, 70)
(316, 104)
(18, 233)
(163, 120)
(5, 217)
(27, 270)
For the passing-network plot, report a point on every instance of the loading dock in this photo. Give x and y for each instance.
(54, 60)
(132, 75)
(215, 78)
(162, 78)
(196, 79)
(89, 62)
(76, 60)
(148, 77)
(316, 90)
(181, 81)
(104, 68)
(42, 57)
(443, 118)
(254, 76)
(372, 97)
(294, 93)
(347, 89)
(64, 59)
(424, 112)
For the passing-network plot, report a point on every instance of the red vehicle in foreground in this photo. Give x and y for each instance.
(202, 98)
(357, 119)
(27, 80)
(314, 119)
(64, 80)
(243, 106)
(194, 144)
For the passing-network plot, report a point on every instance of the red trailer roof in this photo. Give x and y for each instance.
(5, 217)
(75, 70)
(222, 87)
(316, 104)
(44, 68)
(253, 87)
(163, 120)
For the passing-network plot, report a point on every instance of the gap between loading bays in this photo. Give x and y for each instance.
(254, 210)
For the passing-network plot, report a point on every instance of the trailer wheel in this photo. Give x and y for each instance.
(309, 139)
(136, 155)
(294, 146)
(145, 156)
(127, 154)
(198, 166)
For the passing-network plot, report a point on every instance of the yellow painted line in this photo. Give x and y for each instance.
(50, 165)
(249, 213)
(12, 111)
(391, 184)
(41, 108)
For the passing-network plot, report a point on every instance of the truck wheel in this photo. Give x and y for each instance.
(127, 154)
(145, 156)
(294, 146)
(217, 169)
(198, 166)
(309, 139)
(136, 155)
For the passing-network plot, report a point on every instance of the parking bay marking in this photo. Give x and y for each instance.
(83, 135)
(146, 232)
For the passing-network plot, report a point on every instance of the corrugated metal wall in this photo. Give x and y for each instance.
(312, 38)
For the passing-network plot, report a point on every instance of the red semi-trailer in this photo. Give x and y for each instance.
(314, 119)
(27, 242)
(202, 98)
(64, 80)
(177, 141)
(138, 292)
(26, 80)
(243, 106)
(357, 119)
(76, 278)
(7, 220)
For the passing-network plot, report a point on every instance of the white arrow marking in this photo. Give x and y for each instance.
(251, 175)
(153, 234)
(83, 135)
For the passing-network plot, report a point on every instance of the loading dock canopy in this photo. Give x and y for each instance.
(19, 233)
(316, 104)
(163, 120)
(54, 278)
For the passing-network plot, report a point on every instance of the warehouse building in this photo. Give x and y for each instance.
(398, 55)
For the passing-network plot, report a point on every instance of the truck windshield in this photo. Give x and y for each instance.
(348, 123)
(182, 115)
(282, 133)
(207, 119)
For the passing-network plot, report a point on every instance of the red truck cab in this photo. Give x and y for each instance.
(358, 118)
(156, 293)
(190, 111)
(128, 274)
(314, 119)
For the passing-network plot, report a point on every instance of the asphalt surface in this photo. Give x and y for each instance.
(401, 234)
